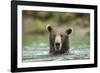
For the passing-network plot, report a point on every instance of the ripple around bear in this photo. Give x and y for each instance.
(58, 39)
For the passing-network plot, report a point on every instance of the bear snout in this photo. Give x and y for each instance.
(57, 46)
(58, 43)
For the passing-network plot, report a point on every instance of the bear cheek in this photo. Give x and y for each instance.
(52, 38)
(63, 38)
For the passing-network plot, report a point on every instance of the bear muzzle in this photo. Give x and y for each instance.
(58, 43)
(57, 46)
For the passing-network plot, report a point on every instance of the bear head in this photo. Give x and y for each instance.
(58, 37)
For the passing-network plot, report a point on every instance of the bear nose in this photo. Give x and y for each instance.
(57, 44)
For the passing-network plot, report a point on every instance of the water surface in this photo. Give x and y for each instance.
(41, 53)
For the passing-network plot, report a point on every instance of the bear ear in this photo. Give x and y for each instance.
(69, 31)
(49, 28)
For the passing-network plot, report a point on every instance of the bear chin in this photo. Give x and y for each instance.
(57, 48)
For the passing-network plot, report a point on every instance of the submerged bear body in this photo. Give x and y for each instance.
(58, 39)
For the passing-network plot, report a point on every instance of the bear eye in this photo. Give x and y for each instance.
(61, 35)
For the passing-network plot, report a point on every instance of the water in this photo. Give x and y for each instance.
(40, 52)
(36, 49)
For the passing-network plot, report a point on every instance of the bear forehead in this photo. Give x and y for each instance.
(59, 30)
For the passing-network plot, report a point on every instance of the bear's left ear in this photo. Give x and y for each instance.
(69, 31)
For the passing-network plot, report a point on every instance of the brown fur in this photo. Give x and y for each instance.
(64, 33)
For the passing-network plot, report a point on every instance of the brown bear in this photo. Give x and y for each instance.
(58, 39)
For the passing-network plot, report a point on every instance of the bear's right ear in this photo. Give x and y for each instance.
(49, 28)
(69, 31)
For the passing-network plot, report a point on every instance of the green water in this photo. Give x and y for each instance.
(36, 48)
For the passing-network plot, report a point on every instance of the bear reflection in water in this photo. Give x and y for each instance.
(59, 39)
